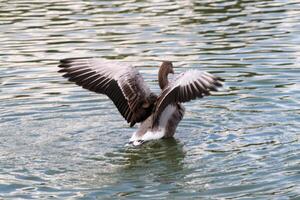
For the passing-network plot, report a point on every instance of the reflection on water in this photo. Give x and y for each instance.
(59, 141)
(161, 161)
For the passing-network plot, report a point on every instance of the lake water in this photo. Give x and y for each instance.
(59, 141)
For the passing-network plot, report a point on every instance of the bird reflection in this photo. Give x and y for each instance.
(161, 159)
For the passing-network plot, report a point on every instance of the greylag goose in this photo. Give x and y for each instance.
(160, 114)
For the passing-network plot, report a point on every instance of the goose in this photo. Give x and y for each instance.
(158, 115)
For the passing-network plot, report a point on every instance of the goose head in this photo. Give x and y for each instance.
(165, 69)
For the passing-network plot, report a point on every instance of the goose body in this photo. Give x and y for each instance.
(159, 115)
(169, 119)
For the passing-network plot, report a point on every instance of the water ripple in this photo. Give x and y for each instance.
(59, 141)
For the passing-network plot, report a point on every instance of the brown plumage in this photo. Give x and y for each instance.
(124, 85)
(121, 83)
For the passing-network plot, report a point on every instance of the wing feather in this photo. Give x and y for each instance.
(185, 87)
(120, 82)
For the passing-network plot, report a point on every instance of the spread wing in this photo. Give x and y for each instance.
(122, 83)
(185, 87)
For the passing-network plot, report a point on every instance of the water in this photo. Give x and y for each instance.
(58, 141)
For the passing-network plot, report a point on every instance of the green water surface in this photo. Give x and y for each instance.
(58, 141)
